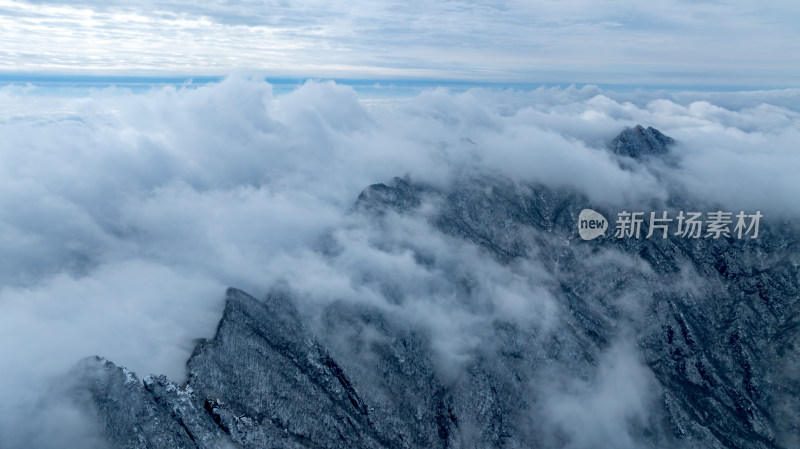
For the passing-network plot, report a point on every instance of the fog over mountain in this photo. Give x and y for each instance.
(357, 223)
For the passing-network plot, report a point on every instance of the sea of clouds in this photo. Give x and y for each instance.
(123, 217)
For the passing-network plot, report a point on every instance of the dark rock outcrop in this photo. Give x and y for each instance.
(637, 142)
(715, 322)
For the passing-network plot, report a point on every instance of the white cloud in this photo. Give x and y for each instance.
(673, 42)
(606, 409)
(123, 217)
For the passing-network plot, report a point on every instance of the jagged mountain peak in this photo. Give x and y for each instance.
(638, 141)
(359, 379)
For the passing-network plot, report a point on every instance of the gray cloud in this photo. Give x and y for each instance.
(620, 42)
(123, 217)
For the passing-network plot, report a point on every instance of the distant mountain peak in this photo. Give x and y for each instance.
(639, 141)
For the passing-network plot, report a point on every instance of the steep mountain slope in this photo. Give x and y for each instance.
(619, 342)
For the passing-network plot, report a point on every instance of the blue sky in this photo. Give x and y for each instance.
(667, 43)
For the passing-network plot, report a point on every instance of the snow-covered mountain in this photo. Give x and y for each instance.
(550, 342)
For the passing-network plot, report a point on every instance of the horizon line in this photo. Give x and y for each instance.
(144, 80)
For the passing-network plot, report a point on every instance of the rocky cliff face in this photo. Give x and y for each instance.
(637, 142)
(709, 329)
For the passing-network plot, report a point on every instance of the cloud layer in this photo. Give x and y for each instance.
(123, 217)
(674, 42)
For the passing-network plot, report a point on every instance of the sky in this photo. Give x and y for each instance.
(744, 43)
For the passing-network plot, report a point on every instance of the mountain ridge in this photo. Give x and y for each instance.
(709, 321)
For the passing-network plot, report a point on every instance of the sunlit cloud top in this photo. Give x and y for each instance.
(672, 42)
